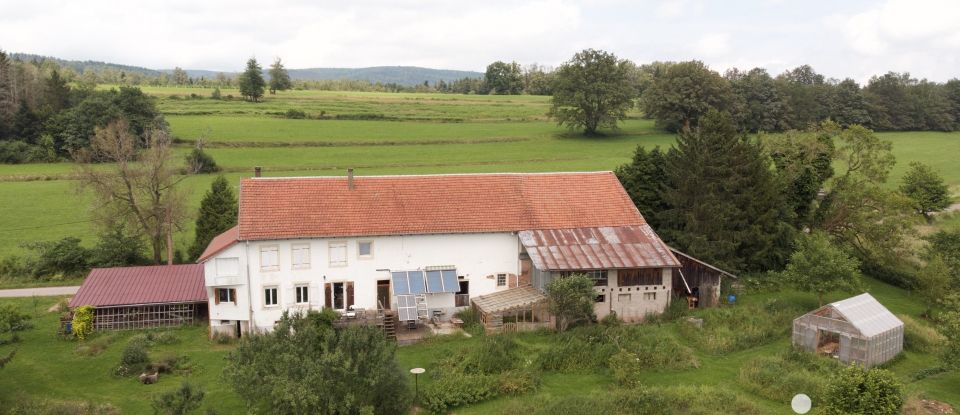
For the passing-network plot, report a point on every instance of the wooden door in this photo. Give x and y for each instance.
(383, 294)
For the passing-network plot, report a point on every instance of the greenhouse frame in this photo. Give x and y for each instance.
(856, 330)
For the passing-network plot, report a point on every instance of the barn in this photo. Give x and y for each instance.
(856, 330)
(141, 297)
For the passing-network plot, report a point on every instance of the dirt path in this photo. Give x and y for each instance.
(39, 291)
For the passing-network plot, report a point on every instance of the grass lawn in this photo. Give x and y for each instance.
(48, 367)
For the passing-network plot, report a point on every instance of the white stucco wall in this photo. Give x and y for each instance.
(637, 308)
(476, 256)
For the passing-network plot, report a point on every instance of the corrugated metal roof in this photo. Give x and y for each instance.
(608, 247)
(142, 285)
(867, 314)
(509, 299)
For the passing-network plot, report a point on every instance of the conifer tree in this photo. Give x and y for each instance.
(218, 213)
(251, 81)
(725, 205)
(279, 77)
(644, 178)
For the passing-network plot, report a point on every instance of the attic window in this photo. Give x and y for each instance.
(365, 249)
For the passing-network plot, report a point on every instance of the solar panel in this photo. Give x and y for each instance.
(450, 282)
(401, 285)
(416, 282)
(434, 282)
(407, 307)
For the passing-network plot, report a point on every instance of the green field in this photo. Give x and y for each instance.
(46, 367)
(408, 133)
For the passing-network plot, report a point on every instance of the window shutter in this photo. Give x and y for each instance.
(291, 296)
(216, 296)
(349, 294)
(328, 293)
(313, 294)
(233, 295)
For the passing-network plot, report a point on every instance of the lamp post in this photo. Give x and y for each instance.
(416, 381)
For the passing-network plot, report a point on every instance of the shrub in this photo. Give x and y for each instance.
(471, 321)
(163, 337)
(83, 321)
(180, 401)
(117, 248)
(457, 389)
(18, 152)
(14, 267)
(626, 368)
(135, 354)
(855, 390)
(12, 319)
(96, 346)
(494, 354)
(920, 337)
(216, 93)
(295, 114)
(65, 256)
(199, 162)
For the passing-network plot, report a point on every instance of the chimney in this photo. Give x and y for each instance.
(256, 171)
(350, 178)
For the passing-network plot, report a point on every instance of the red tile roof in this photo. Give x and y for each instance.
(277, 208)
(221, 242)
(142, 285)
(609, 247)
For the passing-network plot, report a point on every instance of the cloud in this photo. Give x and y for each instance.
(903, 25)
(713, 45)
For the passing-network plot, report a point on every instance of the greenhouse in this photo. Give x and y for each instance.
(856, 330)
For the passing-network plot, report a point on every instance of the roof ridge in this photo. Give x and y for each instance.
(390, 176)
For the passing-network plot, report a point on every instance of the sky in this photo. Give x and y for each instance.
(840, 39)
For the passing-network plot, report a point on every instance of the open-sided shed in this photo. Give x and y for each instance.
(856, 330)
(517, 309)
(140, 297)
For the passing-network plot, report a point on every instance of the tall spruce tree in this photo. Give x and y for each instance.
(725, 205)
(218, 212)
(279, 77)
(251, 81)
(644, 179)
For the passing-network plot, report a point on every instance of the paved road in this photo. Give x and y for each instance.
(39, 292)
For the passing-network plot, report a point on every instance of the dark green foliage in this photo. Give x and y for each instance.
(251, 81)
(200, 162)
(18, 152)
(725, 205)
(585, 349)
(683, 93)
(181, 401)
(760, 104)
(854, 390)
(571, 299)
(65, 257)
(117, 248)
(27, 125)
(592, 91)
(926, 188)
(950, 328)
(302, 367)
(503, 78)
(849, 106)
(779, 378)
(73, 128)
(804, 163)
(945, 244)
(12, 321)
(644, 179)
(218, 212)
(295, 114)
(134, 356)
(736, 328)
(808, 96)
(646, 400)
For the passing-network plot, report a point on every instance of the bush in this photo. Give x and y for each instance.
(457, 389)
(920, 337)
(180, 401)
(163, 337)
(199, 162)
(781, 377)
(18, 152)
(83, 321)
(855, 390)
(295, 114)
(117, 248)
(65, 256)
(135, 354)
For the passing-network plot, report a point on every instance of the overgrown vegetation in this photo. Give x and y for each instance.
(855, 390)
(728, 329)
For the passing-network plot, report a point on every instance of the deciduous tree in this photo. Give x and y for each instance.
(571, 299)
(683, 93)
(180, 76)
(504, 78)
(139, 189)
(592, 91)
(820, 267)
(926, 188)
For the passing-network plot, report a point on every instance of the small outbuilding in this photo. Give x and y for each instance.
(517, 309)
(141, 297)
(856, 330)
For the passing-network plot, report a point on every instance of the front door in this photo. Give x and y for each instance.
(383, 294)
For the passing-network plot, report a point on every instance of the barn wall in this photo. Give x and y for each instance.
(697, 275)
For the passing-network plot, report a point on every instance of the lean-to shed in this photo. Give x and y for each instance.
(517, 309)
(856, 330)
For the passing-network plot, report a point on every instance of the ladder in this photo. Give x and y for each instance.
(389, 324)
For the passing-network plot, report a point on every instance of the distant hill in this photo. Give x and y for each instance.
(402, 75)
(80, 66)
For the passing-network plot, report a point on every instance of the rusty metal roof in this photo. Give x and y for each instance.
(608, 247)
(514, 298)
(142, 285)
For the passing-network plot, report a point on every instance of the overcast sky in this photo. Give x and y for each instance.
(853, 38)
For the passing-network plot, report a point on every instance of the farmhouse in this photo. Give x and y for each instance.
(425, 246)
(856, 330)
(143, 297)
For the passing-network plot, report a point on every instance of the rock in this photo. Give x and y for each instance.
(149, 379)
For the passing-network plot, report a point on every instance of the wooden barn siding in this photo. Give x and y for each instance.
(696, 274)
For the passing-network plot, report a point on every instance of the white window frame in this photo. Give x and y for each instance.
(367, 256)
(337, 245)
(504, 276)
(276, 296)
(306, 257)
(296, 292)
(268, 248)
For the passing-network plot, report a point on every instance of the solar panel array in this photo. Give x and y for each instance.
(429, 282)
(407, 307)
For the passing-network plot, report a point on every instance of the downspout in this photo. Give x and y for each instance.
(249, 289)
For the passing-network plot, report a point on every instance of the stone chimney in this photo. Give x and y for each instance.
(256, 171)
(350, 178)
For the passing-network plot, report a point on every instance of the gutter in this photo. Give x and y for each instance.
(249, 289)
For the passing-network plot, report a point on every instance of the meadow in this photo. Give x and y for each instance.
(375, 133)
(69, 370)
